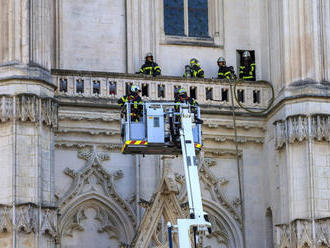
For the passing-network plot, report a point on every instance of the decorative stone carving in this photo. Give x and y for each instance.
(280, 134)
(26, 219)
(284, 236)
(164, 203)
(91, 186)
(91, 155)
(6, 108)
(299, 234)
(49, 222)
(323, 233)
(297, 127)
(27, 107)
(49, 112)
(218, 231)
(212, 184)
(321, 127)
(5, 220)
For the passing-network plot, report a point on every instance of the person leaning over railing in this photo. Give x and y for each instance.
(136, 103)
(247, 71)
(150, 67)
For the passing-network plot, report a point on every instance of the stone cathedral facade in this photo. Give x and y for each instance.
(64, 64)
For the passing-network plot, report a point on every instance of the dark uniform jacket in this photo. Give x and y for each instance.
(185, 99)
(248, 72)
(226, 72)
(136, 107)
(197, 71)
(150, 68)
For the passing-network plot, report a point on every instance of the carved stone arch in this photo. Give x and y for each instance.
(231, 228)
(112, 218)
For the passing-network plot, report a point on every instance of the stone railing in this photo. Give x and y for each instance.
(254, 95)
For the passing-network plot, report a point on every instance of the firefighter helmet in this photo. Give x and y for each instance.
(135, 88)
(149, 55)
(182, 91)
(246, 54)
(221, 59)
(194, 61)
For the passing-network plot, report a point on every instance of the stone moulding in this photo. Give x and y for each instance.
(27, 219)
(295, 129)
(29, 108)
(299, 234)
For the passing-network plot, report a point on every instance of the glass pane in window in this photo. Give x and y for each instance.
(174, 17)
(198, 18)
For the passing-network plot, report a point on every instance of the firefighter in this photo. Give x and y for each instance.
(225, 71)
(248, 69)
(182, 97)
(187, 71)
(195, 68)
(135, 99)
(150, 67)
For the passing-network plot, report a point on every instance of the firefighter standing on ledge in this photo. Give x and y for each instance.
(150, 67)
(247, 71)
(136, 103)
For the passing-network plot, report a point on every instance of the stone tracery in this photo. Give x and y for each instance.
(94, 188)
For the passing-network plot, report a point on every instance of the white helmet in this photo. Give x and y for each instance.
(246, 54)
(135, 88)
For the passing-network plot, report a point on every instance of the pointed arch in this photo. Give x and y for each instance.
(226, 221)
(112, 215)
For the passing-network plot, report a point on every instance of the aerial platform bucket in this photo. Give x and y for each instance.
(156, 130)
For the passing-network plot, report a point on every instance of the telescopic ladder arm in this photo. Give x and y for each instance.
(197, 221)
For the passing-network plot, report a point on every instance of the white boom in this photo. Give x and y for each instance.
(197, 222)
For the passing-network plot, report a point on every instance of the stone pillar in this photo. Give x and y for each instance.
(299, 40)
(302, 143)
(28, 117)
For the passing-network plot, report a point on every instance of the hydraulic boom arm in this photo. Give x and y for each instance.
(198, 218)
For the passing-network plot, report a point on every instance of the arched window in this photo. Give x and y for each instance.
(186, 18)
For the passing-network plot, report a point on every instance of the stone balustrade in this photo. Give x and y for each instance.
(253, 95)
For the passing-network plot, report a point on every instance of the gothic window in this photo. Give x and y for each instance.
(174, 17)
(186, 18)
(198, 18)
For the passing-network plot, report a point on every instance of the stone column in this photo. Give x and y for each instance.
(302, 143)
(28, 117)
(299, 39)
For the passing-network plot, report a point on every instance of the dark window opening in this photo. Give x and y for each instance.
(174, 17)
(198, 18)
(161, 90)
(209, 93)
(128, 88)
(240, 95)
(224, 95)
(63, 85)
(80, 86)
(145, 90)
(256, 96)
(193, 92)
(96, 87)
(112, 88)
